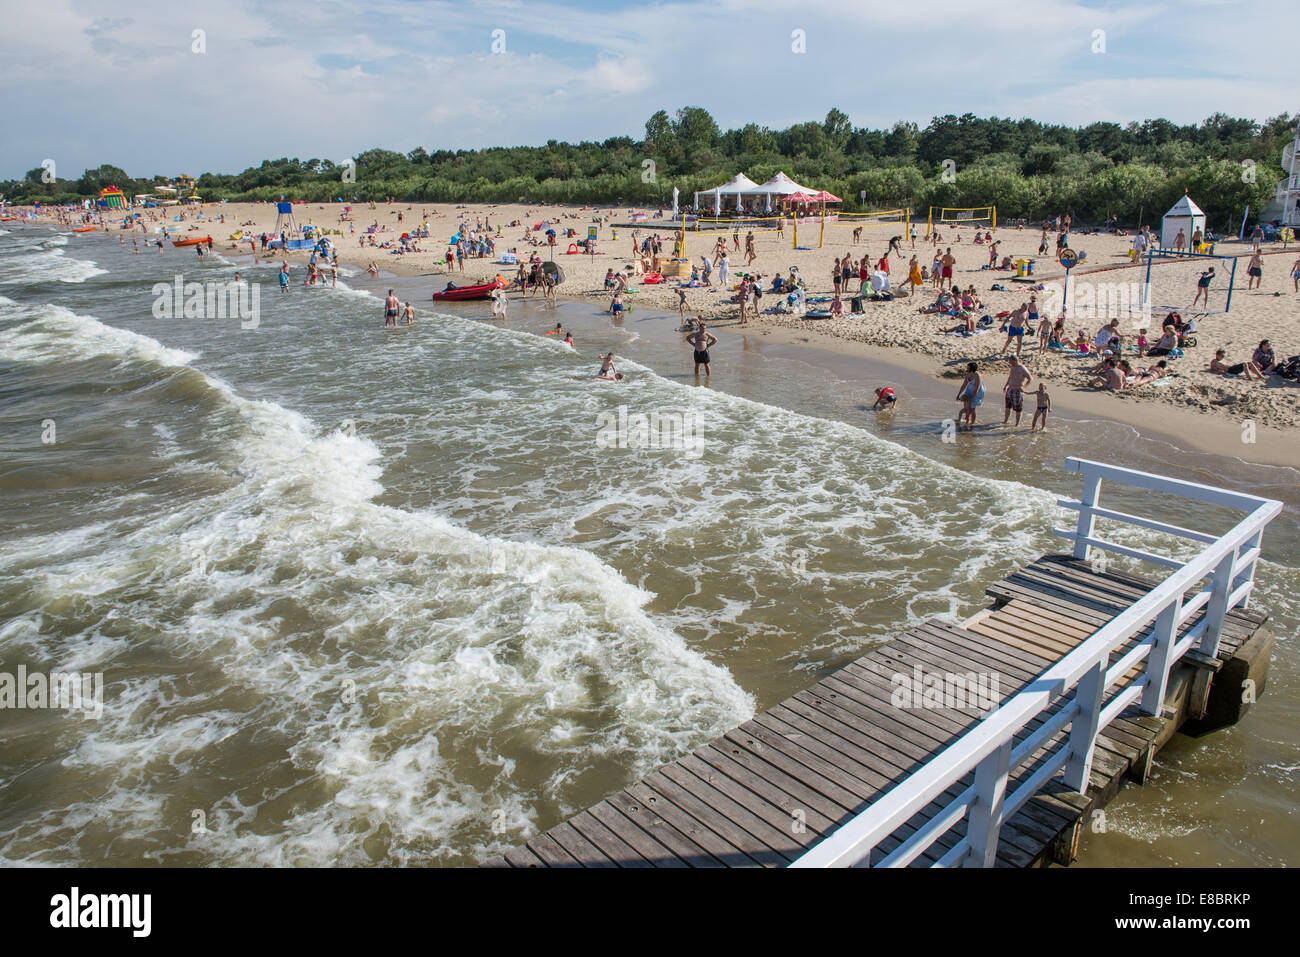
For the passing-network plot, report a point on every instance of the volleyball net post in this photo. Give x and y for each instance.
(1179, 272)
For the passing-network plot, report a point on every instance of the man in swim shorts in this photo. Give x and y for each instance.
(949, 261)
(1016, 328)
(1014, 390)
(390, 309)
(1255, 270)
(701, 339)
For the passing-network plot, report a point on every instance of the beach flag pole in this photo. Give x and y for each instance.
(821, 240)
(795, 216)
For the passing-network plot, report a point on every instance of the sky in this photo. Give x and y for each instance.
(85, 82)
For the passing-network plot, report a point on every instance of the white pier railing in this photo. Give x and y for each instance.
(1084, 675)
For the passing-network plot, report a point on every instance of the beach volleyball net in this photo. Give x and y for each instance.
(745, 224)
(897, 220)
(1173, 283)
(961, 216)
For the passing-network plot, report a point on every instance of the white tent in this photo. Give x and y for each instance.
(779, 185)
(738, 186)
(1183, 215)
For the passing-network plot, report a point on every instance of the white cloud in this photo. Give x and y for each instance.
(88, 81)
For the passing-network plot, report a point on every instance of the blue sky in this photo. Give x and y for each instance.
(92, 81)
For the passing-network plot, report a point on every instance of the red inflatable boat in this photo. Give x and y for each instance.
(482, 290)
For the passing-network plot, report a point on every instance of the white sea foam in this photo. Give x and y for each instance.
(52, 264)
(294, 586)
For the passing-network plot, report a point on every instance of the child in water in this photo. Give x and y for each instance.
(1044, 407)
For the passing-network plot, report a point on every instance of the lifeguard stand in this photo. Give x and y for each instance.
(284, 221)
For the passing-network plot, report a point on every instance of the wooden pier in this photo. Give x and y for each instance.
(882, 732)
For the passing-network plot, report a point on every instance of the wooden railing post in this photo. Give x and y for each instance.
(1161, 658)
(985, 822)
(1088, 499)
(1217, 608)
(1083, 729)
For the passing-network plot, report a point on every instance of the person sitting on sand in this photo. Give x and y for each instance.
(1112, 378)
(885, 398)
(1106, 335)
(1264, 358)
(1166, 344)
(1248, 369)
(616, 304)
(966, 326)
(837, 308)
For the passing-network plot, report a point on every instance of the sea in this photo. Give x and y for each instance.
(372, 596)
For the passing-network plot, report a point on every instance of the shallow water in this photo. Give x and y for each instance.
(366, 595)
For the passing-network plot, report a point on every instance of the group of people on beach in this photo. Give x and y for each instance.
(971, 396)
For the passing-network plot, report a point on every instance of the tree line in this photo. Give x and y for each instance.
(1030, 170)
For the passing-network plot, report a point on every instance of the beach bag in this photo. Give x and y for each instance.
(1290, 369)
(979, 394)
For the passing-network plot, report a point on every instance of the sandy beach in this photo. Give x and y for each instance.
(1254, 420)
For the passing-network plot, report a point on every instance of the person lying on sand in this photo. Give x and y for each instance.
(1248, 369)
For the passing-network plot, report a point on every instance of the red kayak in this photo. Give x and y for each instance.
(192, 242)
(482, 290)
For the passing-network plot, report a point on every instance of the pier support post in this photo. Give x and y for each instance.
(1083, 729)
(1087, 518)
(1157, 669)
(986, 811)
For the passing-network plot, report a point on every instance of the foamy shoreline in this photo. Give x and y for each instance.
(1202, 409)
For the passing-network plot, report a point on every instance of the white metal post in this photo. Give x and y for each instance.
(1083, 729)
(1088, 499)
(1247, 572)
(1217, 608)
(1159, 661)
(986, 810)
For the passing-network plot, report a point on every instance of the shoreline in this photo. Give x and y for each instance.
(1192, 431)
(1198, 410)
(1189, 431)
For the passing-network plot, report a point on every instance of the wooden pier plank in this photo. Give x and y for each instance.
(766, 791)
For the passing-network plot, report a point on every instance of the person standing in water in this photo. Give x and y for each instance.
(391, 309)
(701, 339)
(408, 313)
(971, 394)
(1013, 392)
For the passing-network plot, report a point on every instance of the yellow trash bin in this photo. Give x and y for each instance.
(1022, 265)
